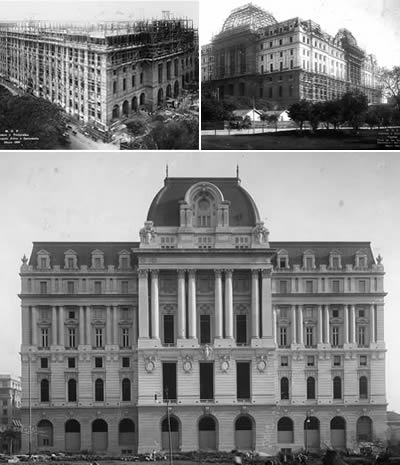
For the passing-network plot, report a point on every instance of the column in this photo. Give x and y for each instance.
(301, 329)
(181, 305)
(192, 305)
(327, 333)
(115, 310)
(346, 324)
(274, 319)
(34, 326)
(155, 317)
(218, 304)
(320, 325)
(88, 326)
(255, 309)
(294, 325)
(81, 325)
(143, 305)
(266, 304)
(25, 329)
(54, 326)
(353, 323)
(61, 326)
(380, 330)
(372, 323)
(108, 326)
(228, 305)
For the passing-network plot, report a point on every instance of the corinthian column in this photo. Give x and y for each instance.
(266, 304)
(181, 305)
(255, 301)
(192, 304)
(218, 304)
(155, 318)
(143, 305)
(228, 305)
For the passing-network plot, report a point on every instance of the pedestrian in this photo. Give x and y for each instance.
(237, 460)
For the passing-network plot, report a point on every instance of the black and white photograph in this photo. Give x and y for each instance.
(301, 75)
(89, 75)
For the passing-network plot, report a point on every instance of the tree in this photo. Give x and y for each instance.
(354, 108)
(390, 79)
(316, 114)
(299, 112)
(181, 134)
(215, 110)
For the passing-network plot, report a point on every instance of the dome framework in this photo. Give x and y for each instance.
(248, 15)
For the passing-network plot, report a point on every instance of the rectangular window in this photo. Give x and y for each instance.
(71, 362)
(337, 361)
(169, 380)
(362, 286)
(125, 337)
(283, 287)
(133, 80)
(99, 337)
(70, 262)
(243, 380)
(124, 263)
(363, 361)
(126, 362)
(160, 73)
(97, 287)
(309, 263)
(241, 329)
(206, 381)
(114, 87)
(168, 70)
(335, 285)
(335, 336)
(124, 84)
(72, 338)
(309, 336)
(169, 336)
(205, 329)
(45, 337)
(44, 362)
(43, 287)
(361, 336)
(309, 287)
(310, 361)
(284, 361)
(71, 287)
(283, 336)
(124, 287)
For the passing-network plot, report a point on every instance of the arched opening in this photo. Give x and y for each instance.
(338, 433)
(115, 112)
(207, 433)
(125, 108)
(99, 390)
(310, 388)
(134, 104)
(142, 99)
(168, 91)
(126, 390)
(99, 435)
(337, 387)
(311, 433)
(363, 387)
(72, 390)
(127, 433)
(72, 436)
(44, 434)
(364, 429)
(174, 428)
(160, 97)
(284, 388)
(244, 433)
(44, 390)
(285, 431)
(176, 89)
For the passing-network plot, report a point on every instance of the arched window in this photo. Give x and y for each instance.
(44, 390)
(310, 387)
(99, 390)
(173, 425)
(285, 430)
(337, 387)
(126, 389)
(72, 390)
(207, 424)
(45, 433)
(243, 423)
(363, 387)
(203, 212)
(72, 426)
(364, 429)
(284, 388)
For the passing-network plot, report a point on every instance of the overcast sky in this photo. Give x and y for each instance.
(105, 197)
(93, 10)
(374, 23)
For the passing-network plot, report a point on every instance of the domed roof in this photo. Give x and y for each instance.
(164, 209)
(248, 15)
(344, 35)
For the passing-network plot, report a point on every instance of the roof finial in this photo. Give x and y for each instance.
(237, 171)
(166, 170)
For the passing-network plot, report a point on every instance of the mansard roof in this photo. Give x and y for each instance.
(164, 210)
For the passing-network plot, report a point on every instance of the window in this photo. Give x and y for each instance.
(310, 360)
(310, 388)
(309, 336)
(206, 381)
(284, 388)
(72, 338)
(363, 387)
(337, 387)
(126, 362)
(361, 313)
(97, 287)
(126, 390)
(114, 87)
(44, 390)
(124, 84)
(71, 314)
(99, 337)
(283, 287)
(98, 362)
(335, 313)
(169, 337)
(337, 361)
(361, 336)
(125, 338)
(335, 336)
(71, 287)
(43, 262)
(71, 390)
(335, 285)
(124, 287)
(44, 362)
(362, 285)
(363, 361)
(309, 287)
(70, 262)
(241, 329)
(243, 380)
(43, 287)
(99, 390)
(71, 362)
(284, 361)
(45, 337)
(309, 262)
(283, 340)
(335, 262)
(169, 380)
(133, 80)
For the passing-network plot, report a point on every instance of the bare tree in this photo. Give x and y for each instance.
(390, 79)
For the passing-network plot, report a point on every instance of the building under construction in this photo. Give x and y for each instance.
(255, 56)
(100, 73)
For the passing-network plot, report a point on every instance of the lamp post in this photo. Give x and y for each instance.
(29, 403)
(169, 426)
(307, 422)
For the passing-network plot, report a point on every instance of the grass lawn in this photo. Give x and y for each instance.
(294, 140)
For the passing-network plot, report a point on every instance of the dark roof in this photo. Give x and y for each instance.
(393, 416)
(83, 250)
(164, 210)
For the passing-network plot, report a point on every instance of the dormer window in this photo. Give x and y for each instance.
(203, 213)
(70, 260)
(124, 260)
(308, 260)
(97, 259)
(335, 260)
(283, 259)
(361, 261)
(43, 260)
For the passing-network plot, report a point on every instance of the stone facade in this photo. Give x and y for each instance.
(242, 342)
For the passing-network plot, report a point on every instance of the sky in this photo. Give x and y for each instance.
(93, 10)
(105, 197)
(374, 23)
